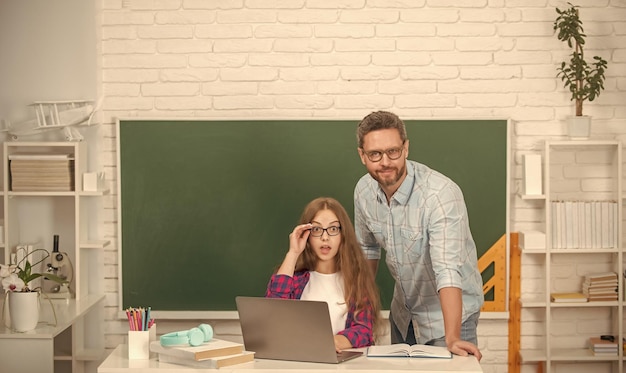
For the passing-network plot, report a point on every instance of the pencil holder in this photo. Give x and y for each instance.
(139, 343)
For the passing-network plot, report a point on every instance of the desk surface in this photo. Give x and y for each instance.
(67, 311)
(117, 362)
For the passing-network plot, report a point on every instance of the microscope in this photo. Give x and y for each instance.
(61, 266)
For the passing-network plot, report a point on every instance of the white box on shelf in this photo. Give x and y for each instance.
(533, 180)
(532, 240)
(90, 182)
(93, 181)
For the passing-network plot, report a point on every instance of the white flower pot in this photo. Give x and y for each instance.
(24, 310)
(579, 128)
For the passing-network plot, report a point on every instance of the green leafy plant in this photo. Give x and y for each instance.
(584, 80)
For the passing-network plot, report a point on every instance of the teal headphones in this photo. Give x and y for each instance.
(194, 336)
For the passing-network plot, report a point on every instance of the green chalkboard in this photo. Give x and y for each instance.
(207, 206)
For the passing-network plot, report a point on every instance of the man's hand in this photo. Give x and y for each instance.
(464, 348)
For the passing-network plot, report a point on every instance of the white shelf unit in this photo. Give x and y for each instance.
(76, 344)
(574, 171)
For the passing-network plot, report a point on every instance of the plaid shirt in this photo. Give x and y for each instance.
(428, 245)
(358, 326)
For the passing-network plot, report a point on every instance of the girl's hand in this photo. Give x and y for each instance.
(297, 243)
(298, 238)
(341, 343)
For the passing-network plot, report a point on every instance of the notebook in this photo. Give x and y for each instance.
(287, 329)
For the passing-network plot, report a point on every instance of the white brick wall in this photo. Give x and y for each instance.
(344, 58)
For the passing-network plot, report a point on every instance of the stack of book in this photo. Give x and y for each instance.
(601, 287)
(603, 346)
(215, 353)
(41, 172)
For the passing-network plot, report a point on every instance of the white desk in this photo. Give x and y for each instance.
(118, 362)
(38, 350)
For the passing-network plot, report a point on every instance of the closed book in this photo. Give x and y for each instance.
(210, 349)
(601, 287)
(43, 188)
(41, 164)
(605, 349)
(604, 353)
(405, 350)
(211, 363)
(601, 343)
(602, 299)
(604, 287)
(568, 297)
(40, 156)
(591, 297)
(609, 291)
(591, 282)
(596, 277)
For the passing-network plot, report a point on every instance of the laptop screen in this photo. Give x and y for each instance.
(287, 329)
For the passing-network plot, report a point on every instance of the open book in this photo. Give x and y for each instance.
(404, 350)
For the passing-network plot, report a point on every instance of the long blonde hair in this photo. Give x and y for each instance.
(359, 284)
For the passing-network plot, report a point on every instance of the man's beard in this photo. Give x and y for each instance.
(390, 181)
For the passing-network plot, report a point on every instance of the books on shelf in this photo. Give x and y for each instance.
(568, 297)
(598, 342)
(594, 278)
(603, 347)
(602, 298)
(597, 287)
(210, 363)
(405, 350)
(41, 156)
(211, 349)
(609, 290)
(41, 172)
(601, 286)
(601, 291)
(584, 224)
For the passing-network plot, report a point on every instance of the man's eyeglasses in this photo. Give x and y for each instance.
(377, 155)
(333, 230)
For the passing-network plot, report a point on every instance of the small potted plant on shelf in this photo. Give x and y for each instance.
(585, 80)
(21, 294)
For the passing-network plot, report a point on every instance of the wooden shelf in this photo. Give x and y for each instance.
(97, 244)
(533, 196)
(578, 354)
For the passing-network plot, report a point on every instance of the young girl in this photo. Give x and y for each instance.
(325, 263)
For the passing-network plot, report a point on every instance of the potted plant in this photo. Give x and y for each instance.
(583, 79)
(23, 297)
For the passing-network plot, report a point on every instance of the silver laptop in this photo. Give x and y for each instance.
(287, 329)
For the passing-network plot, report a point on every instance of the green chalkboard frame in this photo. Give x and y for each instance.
(206, 206)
